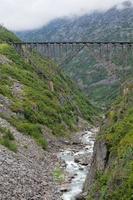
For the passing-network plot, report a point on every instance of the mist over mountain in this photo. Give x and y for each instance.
(116, 24)
(66, 128)
(31, 14)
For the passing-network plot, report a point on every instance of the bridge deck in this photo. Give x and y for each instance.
(91, 42)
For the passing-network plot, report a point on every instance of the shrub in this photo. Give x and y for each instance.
(7, 139)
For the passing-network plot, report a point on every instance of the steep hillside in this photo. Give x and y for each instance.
(111, 173)
(35, 95)
(38, 104)
(92, 75)
(7, 36)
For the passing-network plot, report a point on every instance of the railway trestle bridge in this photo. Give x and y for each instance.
(64, 52)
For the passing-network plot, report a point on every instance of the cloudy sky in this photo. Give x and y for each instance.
(29, 14)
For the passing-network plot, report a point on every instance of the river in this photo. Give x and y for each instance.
(77, 159)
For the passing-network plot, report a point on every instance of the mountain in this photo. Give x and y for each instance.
(111, 172)
(115, 24)
(38, 93)
(39, 106)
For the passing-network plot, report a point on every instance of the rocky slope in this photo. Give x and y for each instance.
(111, 172)
(99, 79)
(38, 103)
(27, 173)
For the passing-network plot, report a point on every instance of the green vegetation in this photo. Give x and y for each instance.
(35, 104)
(58, 174)
(7, 139)
(116, 182)
(7, 36)
(99, 77)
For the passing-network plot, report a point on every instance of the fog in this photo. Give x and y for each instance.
(30, 14)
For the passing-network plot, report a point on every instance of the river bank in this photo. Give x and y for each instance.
(29, 173)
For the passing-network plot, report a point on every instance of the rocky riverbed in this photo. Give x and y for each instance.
(76, 160)
(29, 173)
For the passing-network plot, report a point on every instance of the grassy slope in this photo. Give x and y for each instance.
(37, 105)
(116, 182)
(7, 36)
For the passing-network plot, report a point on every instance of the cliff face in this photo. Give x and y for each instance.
(100, 156)
(111, 173)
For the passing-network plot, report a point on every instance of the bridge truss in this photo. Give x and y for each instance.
(64, 52)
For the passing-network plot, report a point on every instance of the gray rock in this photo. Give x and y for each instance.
(28, 174)
(100, 158)
(81, 196)
(65, 188)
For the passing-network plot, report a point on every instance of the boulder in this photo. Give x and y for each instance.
(64, 188)
(81, 196)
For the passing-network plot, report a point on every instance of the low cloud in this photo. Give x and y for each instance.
(29, 14)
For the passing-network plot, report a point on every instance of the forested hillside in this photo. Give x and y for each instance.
(99, 79)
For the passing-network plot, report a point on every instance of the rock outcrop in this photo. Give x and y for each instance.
(99, 161)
